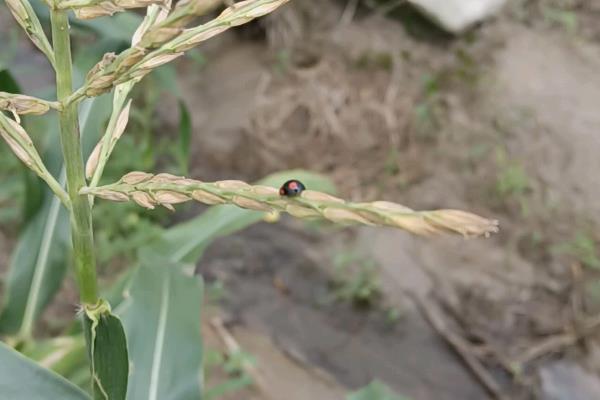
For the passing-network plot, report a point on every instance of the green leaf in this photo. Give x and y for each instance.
(186, 242)
(10, 191)
(38, 265)
(10, 46)
(107, 346)
(8, 83)
(185, 137)
(166, 79)
(29, 268)
(37, 269)
(65, 355)
(34, 189)
(22, 379)
(161, 317)
(34, 195)
(376, 390)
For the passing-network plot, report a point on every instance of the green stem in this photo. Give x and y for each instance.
(81, 216)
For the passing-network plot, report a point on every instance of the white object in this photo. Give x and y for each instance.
(457, 15)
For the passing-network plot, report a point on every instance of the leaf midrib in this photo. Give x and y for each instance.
(160, 339)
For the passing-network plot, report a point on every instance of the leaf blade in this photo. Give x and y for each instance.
(107, 348)
(185, 137)
(41, 383)
(38, 266)
(163, 314)
(25, 295)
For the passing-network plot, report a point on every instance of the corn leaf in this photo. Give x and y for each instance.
(37, 269)
(38, 265)
(7, 82)
(23, 379)
(34, 188)
(65, 355)
(107, 348)
(161, 317)
(185, 137)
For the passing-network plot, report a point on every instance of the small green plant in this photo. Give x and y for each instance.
(371, 59)
(149, 317)
(198, 57)
(583, 248)
(428, 110)
(234, 367)
(356, 279)
(512, 181)
(564, 18)
(216, 291)
(393, 315)
(375, 390)
(283, 61)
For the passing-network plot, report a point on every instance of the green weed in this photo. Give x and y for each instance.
(371, 59)
(564, 18)
(215, 291)
(375, 390)
(356, 279)
(234, 367)
(512, 181)
(583, 248)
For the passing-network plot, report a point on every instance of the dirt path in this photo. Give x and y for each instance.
(354, 347)
(553, 81)
(529, 93)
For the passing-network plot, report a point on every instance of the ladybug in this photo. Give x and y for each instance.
(291, 188)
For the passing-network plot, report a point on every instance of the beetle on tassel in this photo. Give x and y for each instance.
(292, 188)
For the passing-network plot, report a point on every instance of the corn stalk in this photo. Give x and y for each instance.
(80, 210)
(163, 36)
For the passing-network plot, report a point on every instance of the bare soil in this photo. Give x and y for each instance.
(344, 99)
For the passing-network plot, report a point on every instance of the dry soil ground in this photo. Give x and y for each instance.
(393, 110)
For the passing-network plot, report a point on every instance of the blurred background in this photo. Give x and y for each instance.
(493, 109)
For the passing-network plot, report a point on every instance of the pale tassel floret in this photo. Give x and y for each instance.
(94, 9)
(169, 41)
(22, 104)
(94, 158)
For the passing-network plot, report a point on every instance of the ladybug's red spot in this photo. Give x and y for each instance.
(282, 192)
(293, 185)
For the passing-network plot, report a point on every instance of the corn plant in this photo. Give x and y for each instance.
(140, 338)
